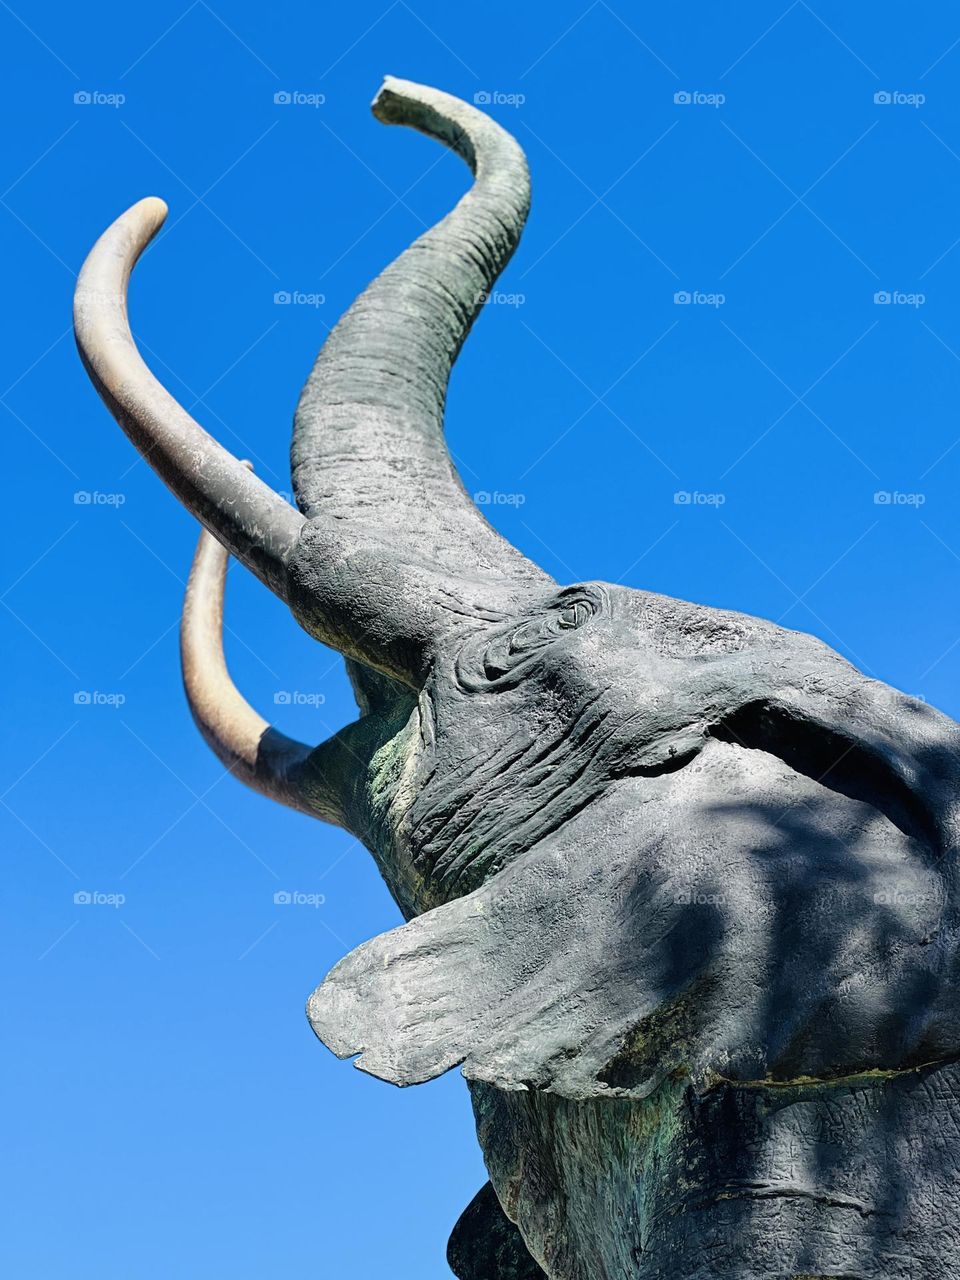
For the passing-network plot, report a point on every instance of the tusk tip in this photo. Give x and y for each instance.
(142, 220)
(151, 210)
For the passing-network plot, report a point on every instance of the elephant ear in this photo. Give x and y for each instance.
(729, 937)
(535, 979)
(480, 981)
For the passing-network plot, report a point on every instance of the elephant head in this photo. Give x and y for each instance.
(635, 840)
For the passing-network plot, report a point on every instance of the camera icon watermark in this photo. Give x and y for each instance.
(696, 98)
(296, 98)
(94, 898)
(94, 498)
(297, 298)
(698, 298)
(694, 498)
(497, 98)
(894, 498)
(497, 298)
(900, 898)
(297, 898)
(896, 98)
(96, 98)
(897, 298)
(690, 897)
(484, 498)
(94, 698)
(297, 698)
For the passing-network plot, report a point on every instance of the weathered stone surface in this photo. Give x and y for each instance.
(856, 1180)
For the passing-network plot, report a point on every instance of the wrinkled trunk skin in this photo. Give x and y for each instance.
(855, 1180)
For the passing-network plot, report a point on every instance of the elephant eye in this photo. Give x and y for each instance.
(500, 659)
(575, 615)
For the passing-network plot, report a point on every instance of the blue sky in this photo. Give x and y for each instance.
(785, 167)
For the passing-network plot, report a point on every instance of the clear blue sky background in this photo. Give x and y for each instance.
(168, 1111)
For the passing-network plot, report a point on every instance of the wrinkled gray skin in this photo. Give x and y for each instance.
(679, 884)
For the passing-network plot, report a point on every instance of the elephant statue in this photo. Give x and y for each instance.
(679, 885)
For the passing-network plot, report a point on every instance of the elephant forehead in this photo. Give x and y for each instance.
(680, 628)
(732, 919)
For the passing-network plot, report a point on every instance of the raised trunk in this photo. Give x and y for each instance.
(368, 444)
